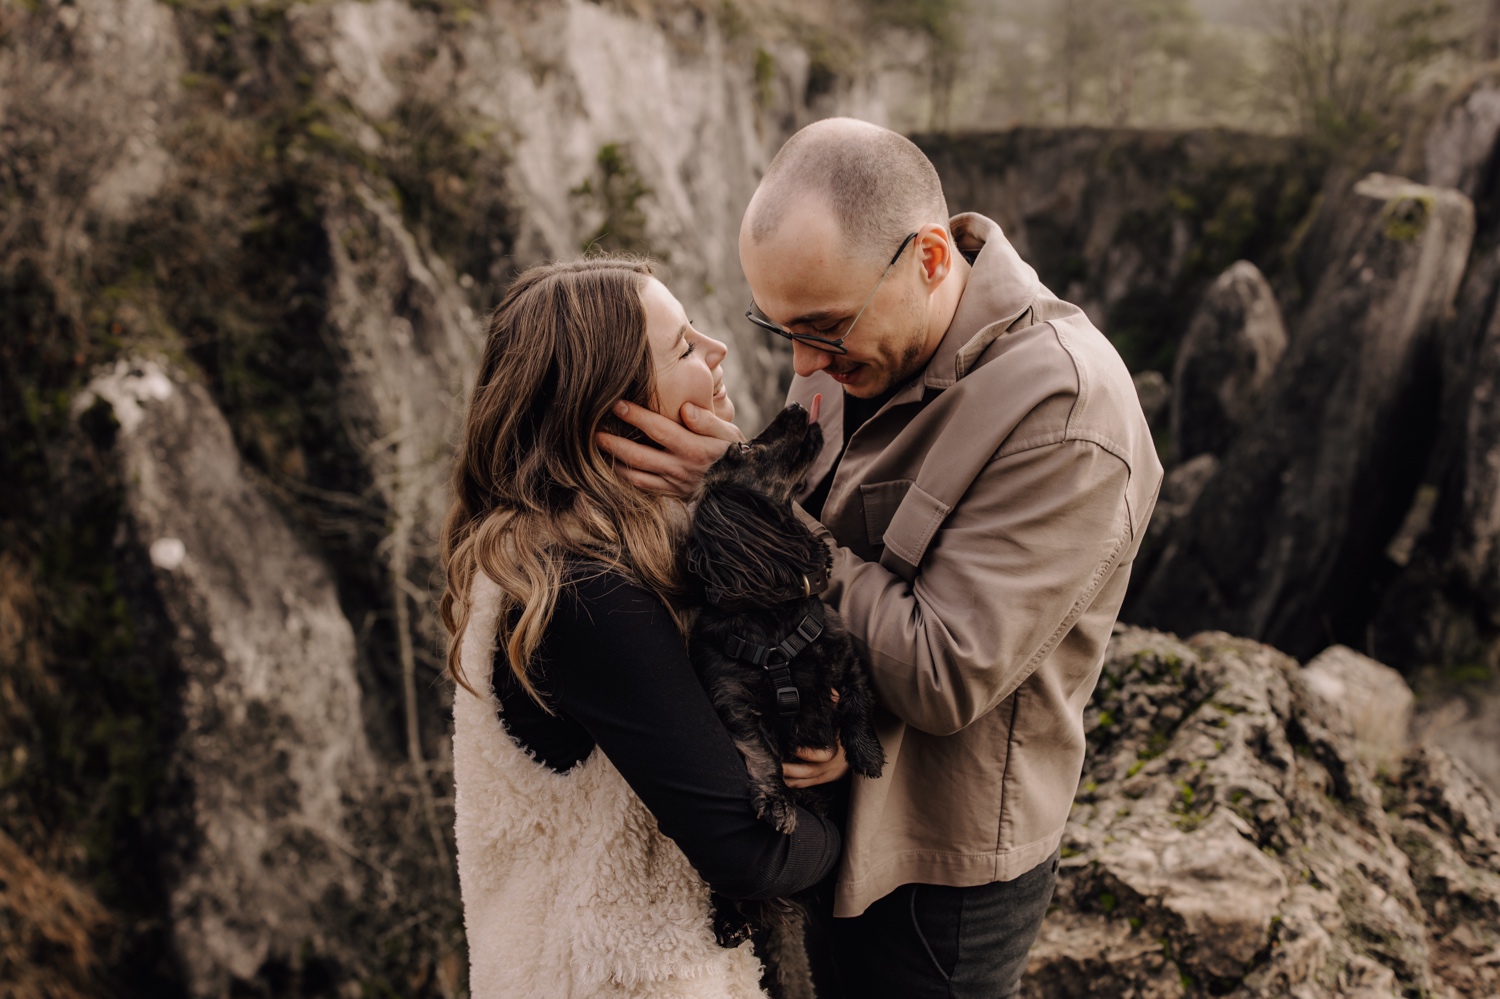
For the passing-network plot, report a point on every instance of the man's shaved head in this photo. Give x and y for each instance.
(878, 185)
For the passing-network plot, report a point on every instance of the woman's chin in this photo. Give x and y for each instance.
(724, 408)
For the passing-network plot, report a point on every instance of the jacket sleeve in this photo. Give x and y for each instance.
(1014, 565)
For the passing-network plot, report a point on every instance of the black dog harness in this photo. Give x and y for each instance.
(776, 659)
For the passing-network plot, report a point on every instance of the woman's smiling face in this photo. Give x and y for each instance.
(688, 363)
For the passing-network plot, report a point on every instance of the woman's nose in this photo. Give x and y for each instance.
(714, 351)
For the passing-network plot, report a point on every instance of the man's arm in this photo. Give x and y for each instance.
(1014, 565)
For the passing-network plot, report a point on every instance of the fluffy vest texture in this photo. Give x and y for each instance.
(570, 890)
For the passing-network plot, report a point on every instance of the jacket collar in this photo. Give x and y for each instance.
(1001, 286)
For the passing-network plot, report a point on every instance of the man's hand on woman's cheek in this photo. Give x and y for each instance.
(690, 448)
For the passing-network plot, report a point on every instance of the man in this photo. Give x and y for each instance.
(986, 479)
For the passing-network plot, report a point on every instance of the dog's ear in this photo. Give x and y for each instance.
(746, 550)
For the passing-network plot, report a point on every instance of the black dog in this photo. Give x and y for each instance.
(765, 647)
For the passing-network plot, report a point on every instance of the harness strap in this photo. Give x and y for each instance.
(776, 659)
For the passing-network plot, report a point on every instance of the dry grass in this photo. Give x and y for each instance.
(48, 928)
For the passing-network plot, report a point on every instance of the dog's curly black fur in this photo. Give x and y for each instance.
(748, 560)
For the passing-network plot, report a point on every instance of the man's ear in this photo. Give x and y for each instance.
(935, 249)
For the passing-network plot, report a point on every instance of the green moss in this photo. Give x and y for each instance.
(1107, 902)
(615, 191)
(1462, 673)
(765, 77)
(1405, 218)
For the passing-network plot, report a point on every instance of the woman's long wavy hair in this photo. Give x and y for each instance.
(530, 485)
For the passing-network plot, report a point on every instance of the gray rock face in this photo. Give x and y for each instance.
(1291, 515)
(1228, 840)
(1225, 361)
(273, 745)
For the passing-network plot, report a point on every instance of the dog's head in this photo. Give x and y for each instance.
(746, 548)
(776, 462)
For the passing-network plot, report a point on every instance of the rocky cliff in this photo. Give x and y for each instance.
(245, 250)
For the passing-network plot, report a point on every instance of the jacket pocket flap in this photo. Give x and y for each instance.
(881, 499)
(911, 530)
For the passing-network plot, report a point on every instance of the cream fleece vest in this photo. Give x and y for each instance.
(570, 890)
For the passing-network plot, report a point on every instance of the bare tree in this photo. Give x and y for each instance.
(1340, 66)
(1106, 49)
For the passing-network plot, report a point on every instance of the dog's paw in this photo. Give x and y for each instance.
(778, 811)
(865, 755)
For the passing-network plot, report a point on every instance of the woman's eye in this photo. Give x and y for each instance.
(690, 348)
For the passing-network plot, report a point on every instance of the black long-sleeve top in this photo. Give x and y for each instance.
(613, 666)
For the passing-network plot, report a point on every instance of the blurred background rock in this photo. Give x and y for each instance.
(245, 250)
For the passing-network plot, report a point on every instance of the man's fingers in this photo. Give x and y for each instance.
(638, 456)
(814, 755)
(668, 433)
(705, 423)
(645, 480)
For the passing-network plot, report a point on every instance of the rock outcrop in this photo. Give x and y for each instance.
(272, 750)
(1225, 362)
(1307, 496)
(1228, 839)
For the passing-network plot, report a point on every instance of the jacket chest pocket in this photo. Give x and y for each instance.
(881, 501)
(900, 522)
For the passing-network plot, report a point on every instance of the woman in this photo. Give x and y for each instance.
(598, 795)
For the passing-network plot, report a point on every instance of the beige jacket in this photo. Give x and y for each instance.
(985, 521)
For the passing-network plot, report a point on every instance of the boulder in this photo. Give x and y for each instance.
(1370, 700)
(272, 751)
(1225, 361)
(1283, 539)
(1228, 839)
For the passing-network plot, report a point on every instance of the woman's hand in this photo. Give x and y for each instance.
(816, 766)
(691, 446)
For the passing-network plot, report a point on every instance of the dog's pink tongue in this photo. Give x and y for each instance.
(817, 404)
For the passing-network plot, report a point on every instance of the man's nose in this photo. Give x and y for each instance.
(807, 360)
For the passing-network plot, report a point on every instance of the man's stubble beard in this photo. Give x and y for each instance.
(909, 361)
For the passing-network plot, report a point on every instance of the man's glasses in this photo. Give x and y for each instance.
(823, 343)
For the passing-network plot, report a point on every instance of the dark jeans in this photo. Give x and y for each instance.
(933, 941)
